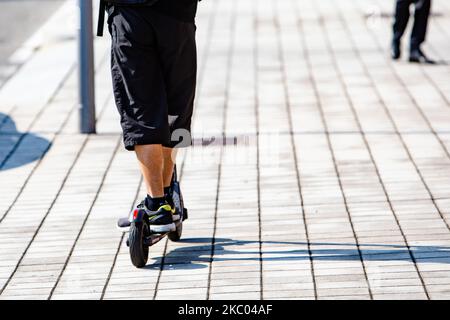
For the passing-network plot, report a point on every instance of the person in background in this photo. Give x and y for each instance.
(401, 17)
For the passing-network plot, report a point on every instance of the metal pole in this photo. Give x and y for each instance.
(86, 68)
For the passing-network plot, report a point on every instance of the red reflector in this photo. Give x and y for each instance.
(135, 213)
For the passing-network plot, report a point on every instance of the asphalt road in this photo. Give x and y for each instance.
(19, 19)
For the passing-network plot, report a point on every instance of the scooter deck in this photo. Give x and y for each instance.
(127, 229)
(156, 237)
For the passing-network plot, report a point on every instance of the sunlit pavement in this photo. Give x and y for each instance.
(320, 169)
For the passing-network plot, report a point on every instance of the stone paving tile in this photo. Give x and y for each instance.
(347, 297)
(342, 291)
(440, 295)
(289, 294)
(352, 149)
(242, 295)
(400, 296)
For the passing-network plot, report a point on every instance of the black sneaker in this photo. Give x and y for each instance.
(417, 56)
(160, 220)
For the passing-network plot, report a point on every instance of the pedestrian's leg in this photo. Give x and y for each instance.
(151, 162)
(401, 18)
(421, 14)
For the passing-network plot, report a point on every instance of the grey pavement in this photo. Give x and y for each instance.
(333, 183)
(18, 21)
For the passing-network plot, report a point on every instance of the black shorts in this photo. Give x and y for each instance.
(154, 70)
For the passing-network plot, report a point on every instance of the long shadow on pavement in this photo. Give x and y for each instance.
(19, 148)
(198, 255)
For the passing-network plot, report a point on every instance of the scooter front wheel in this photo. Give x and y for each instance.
(138, 248)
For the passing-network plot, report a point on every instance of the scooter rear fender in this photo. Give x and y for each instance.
(137, 216)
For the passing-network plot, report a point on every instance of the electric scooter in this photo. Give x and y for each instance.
(141, 237)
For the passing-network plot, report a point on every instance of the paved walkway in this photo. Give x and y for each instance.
(334, 182)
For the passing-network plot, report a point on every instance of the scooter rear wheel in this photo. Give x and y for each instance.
(138, 248)
(176, 235)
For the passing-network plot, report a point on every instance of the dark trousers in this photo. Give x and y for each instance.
(421, 14)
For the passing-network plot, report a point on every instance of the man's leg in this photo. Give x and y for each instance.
(169, 155)
(421, 14)
(151, 162)
(157, 164)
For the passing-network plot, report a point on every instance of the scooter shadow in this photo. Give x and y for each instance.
(198, 255)
(19, 148)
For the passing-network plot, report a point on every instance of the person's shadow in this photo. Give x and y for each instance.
(19, 148)
(198, 254)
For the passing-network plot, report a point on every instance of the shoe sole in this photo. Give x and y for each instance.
(163, 228)
(123, 229)
(155, 228)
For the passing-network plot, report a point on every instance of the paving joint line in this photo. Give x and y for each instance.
(78, 154)
(163, 258)
(226, 93)
(332, 152)
(202, 71)
(94, 201)
(133, 203)
(402, 140)
(292, 139)
(55, 135)
(369, 149)
(46, 214)
(257, 120)
(38, 115)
